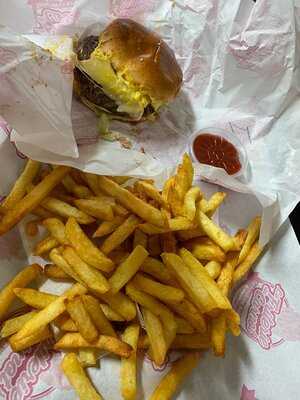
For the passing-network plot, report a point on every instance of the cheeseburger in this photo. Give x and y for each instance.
(128, 71)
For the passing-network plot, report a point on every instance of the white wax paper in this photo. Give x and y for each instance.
(241, 73)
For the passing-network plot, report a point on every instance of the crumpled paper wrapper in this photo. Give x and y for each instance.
(240, 74)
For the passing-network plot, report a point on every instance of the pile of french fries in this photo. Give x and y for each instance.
(149, 272)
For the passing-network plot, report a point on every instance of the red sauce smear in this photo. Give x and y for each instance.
(216, 151)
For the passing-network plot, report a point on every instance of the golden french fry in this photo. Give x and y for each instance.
(234, 327)
(107, 227)
(205, 249)
(45, 245)
(42, 213)
(244, 267)
(54, 272)
(215, 233)
(195, 290)
(175, 224)
(86, 248)
(162, 292)
(92, 277)
(57, 258)
(129, 365)
(218, 332)
(252, 236)
(201, 274)
(174, 378)
(152, 192)
(210, 206)
(78, 378)
(31, 228)
(131, 202)
(78, 190)
(154, 246)
(121, 233)
(111, 314)
(94, 309)
(189, 234)
(82, 319)
(13, 325)
(195, 341)
(34, 298)
(92, 181)
(187, 310)
(183, 326)
(65, 323)
(120, 210)
(65, 210)
(157, 269)
(19, 189)
(189, 203)
(23, 278)
(155, 333)
(225, 278)
(49, 313)
(56, 229)
(120, 179)
(19, 344)
(213, 268)
(140, 238)
(96, 208)
(127, 269)
(108, 343)
(121, 304)
(87, 357)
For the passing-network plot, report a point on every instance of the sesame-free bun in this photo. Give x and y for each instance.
(143, 58)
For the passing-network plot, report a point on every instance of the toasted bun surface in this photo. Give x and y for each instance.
(143, 58)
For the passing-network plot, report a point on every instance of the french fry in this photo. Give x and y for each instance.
(183, 326)
(131, 202)
(195, 341)
(92, 277)
(86, 248)
(52, 271)
(31, 228)
(151, 192)
(65, 323)
(13, 325)
(87, 357)
(203, 276)
(45, 245)
(34, 298)
(78, 190)
(215, 233)
(189, 204)
(189, 234)
(19, 189)
(168, 242)
(155, 333)
(121, 304)
(244, 267)
(22, 279)
(195, 290)
(120, 179)
(49, 313)
(96, 208)
(162, 292)
(107, 227)
(82, 319)
(175, 224)
(218, 331)
(127, 269)
(40, 212)
(92, 181)
(205, 249)
(187, 310)
(140, 238)
(40, 335)
(56, 229)
(174, 378)
(129, 365)
(65, 210)
(121, 233)
(120, 210)
(57, 258)
(118, 256)
(78, 379)
(108, 343)
(210, 206)
(157, 269)
(111, 314)
(213, 268)
(154, 247)
(94, 309)
(252, 236)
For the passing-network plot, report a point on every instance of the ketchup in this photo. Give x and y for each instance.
(216, 151)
